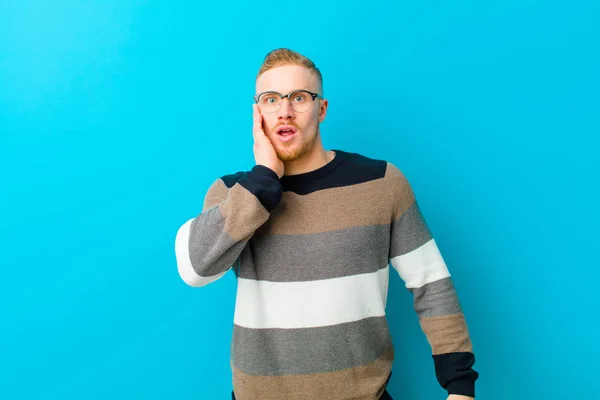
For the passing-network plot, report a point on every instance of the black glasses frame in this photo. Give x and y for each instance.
(312, 94)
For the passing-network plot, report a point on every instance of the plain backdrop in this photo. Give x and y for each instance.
(116, 116)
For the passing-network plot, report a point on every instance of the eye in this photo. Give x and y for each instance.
(300, 97)
(269, 99)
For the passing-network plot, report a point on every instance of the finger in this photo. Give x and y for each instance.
(254, 122)
(258, 116)
(257, 128)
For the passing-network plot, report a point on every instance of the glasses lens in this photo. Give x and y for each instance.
(301, 101)
(269, 102)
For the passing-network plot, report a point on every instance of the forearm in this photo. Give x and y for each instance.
(207, 246)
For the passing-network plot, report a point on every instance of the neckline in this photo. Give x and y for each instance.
(311, 176)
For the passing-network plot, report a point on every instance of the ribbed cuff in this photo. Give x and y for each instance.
(266, 170)
(465, 387)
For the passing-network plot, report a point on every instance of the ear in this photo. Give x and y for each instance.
(323, 109)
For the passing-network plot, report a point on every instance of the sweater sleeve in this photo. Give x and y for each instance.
(207, 246)
(416, 257)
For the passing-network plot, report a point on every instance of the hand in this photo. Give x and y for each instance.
(459, 397)
(264, 152)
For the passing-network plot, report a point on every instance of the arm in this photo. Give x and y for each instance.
(416, 257)
(208, 245)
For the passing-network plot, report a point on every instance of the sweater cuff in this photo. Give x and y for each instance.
(465, 387)
(264, 183)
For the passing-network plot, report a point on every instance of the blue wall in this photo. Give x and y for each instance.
(115, 117)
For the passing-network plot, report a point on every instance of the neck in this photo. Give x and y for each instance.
(315, 159)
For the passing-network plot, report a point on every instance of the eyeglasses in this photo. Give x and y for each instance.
(301, 100)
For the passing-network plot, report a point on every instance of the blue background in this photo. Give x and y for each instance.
(115, 117)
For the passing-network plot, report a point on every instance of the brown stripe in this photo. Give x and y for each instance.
(243, 212)
(216, 193)
(368, 203)
(402, 193)
(358, 383)
(447, 334)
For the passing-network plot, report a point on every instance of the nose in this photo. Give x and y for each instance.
(285, 111)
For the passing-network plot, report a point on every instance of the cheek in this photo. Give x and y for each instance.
(311, 122)
(269, 124)
(310, 119)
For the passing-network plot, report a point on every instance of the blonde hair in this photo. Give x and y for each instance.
(283, 56)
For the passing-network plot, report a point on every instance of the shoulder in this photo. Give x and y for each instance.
(231, 179)
(219, 188)
(378, 167)
(362, 160)
(398, 189)
(223, 183)
(357, 164)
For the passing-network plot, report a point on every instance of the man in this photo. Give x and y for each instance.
(310, 235)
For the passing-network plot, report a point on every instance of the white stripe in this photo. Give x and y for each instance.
(264, 304)
(184, 264)
(421, 266)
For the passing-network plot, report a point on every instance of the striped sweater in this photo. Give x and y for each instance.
(312, 256)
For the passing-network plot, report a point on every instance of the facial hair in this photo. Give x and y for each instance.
(289, 153)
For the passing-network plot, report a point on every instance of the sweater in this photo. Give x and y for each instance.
(312, 255)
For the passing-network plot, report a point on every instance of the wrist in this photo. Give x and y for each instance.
(272, 169)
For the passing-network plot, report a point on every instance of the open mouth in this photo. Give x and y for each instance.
(286, 130)
(286, 133)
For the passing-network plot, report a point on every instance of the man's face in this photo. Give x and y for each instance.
(285, 79)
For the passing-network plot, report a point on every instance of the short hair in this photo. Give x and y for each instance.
(283, 56)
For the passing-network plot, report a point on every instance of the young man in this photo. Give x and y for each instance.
(310, 235)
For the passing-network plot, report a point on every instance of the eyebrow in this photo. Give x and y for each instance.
(291, 91)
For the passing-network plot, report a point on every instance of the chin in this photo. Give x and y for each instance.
(295, 150)
(290, 154)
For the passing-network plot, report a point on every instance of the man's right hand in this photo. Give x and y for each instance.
(264, 152)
